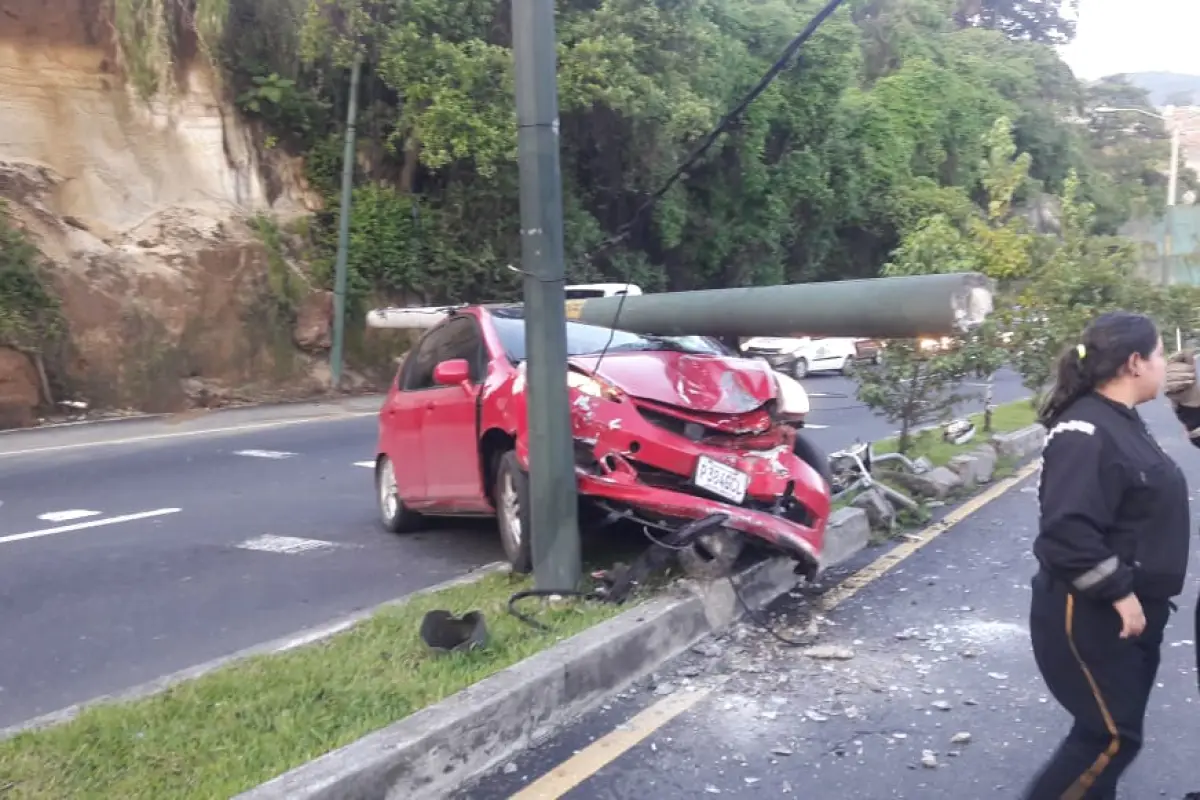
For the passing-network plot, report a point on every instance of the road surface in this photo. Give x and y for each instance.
(130, 550)
(938, 698)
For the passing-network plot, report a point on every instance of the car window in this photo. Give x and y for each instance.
(585, 340)
(457, 338)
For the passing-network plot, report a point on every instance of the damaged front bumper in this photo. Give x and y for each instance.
(622, 488)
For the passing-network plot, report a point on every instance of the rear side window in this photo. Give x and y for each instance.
(457, 338)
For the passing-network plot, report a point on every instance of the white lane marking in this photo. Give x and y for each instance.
(815, 426)
(269, 543)
(317, 635)
(68, 515)
(95, 523)
(367, 464)
(255, 426)
(277, 454)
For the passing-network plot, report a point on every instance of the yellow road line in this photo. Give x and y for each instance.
(607, 749)
(884, 564)
(590, 760)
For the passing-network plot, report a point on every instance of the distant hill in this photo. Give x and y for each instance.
(1168, 88)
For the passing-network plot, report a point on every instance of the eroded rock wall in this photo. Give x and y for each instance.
(141, 208)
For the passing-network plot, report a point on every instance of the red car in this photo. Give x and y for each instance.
(668, 430)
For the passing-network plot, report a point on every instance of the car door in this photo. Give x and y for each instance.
(449, 423)
(401, 420)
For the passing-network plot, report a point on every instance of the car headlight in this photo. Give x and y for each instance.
(793, 399)
(592, 386)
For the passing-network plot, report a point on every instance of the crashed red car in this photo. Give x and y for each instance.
(668, 431)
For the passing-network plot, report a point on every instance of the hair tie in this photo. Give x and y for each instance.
(1081, 350)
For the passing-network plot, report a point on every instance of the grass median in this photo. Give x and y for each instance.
(239, 726)
(1006, 418)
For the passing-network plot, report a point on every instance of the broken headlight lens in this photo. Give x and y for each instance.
(593, 386)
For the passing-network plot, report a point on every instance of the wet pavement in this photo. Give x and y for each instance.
(921, 685)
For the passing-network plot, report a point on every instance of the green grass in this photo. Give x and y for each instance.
(235, 728)
(1005, 418)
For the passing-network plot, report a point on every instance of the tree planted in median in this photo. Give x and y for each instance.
(913, 387)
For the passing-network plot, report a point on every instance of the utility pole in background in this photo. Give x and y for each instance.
(338, 344)
(1172, 176)
(554, 511)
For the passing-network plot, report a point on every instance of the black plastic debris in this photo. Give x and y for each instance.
(446, 633)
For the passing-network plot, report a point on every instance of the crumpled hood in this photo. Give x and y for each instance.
(702, 383)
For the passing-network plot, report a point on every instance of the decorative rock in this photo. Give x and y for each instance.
(1020, 444)
(880, 514)
(937, 483)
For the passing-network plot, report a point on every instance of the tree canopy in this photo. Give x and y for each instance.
(881, 123)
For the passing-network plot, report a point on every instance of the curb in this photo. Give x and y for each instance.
(437, 749)
(280, 645)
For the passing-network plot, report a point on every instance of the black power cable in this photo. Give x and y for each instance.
(779, 66)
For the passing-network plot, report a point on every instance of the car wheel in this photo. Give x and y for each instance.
(511, 496)
(396, 516)
(800, 369)
(847, 366)
(814, 456)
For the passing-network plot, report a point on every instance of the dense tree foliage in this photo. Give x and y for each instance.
(881, 124)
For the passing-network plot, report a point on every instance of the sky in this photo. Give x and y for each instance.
(1135, 36)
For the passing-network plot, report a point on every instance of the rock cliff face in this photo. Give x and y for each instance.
(141, 210)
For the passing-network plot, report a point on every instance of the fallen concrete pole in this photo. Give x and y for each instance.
(877, 308)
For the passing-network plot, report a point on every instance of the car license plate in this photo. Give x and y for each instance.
(715, 477)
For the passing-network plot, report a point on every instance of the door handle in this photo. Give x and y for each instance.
(429, 405)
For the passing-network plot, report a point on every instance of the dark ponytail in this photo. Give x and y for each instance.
(1098, 357)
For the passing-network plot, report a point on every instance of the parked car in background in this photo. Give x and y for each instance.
(804, 354)
(668, 431)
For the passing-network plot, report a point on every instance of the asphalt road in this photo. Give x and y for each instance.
(130, 550)
(939, 653)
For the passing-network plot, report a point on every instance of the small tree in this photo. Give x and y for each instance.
(911, 388)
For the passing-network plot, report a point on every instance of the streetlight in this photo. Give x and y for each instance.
(1172, 177)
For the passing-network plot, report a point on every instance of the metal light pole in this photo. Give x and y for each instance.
(338, 343)
(1172, 179)
(554, 512)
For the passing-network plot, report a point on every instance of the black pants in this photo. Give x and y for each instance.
(1103, 681)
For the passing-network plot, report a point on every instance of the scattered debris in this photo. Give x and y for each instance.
(929, 759)
(830, 652)
(960, 738)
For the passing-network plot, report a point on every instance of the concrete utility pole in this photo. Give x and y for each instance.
(339, 281)
(554, 512)
(1172, 178)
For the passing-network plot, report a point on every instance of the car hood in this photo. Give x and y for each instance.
(702, 383)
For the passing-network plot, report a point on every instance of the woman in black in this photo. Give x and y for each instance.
(1112, 546)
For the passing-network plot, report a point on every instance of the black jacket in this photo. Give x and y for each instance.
(1114, 506)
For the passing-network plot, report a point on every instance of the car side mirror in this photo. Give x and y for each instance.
(452, 372)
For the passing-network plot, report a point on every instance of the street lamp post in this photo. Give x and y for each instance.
(1172, 178)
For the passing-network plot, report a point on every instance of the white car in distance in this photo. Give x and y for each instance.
(799, 356)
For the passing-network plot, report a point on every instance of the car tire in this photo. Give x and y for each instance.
(800, 369)
(814, 456)
(510, 494)
(396, 516)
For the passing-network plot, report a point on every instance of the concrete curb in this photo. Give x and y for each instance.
(281, 645)
(1020, 444)
(437, 749)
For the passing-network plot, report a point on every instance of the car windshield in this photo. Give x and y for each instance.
(585, 339)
